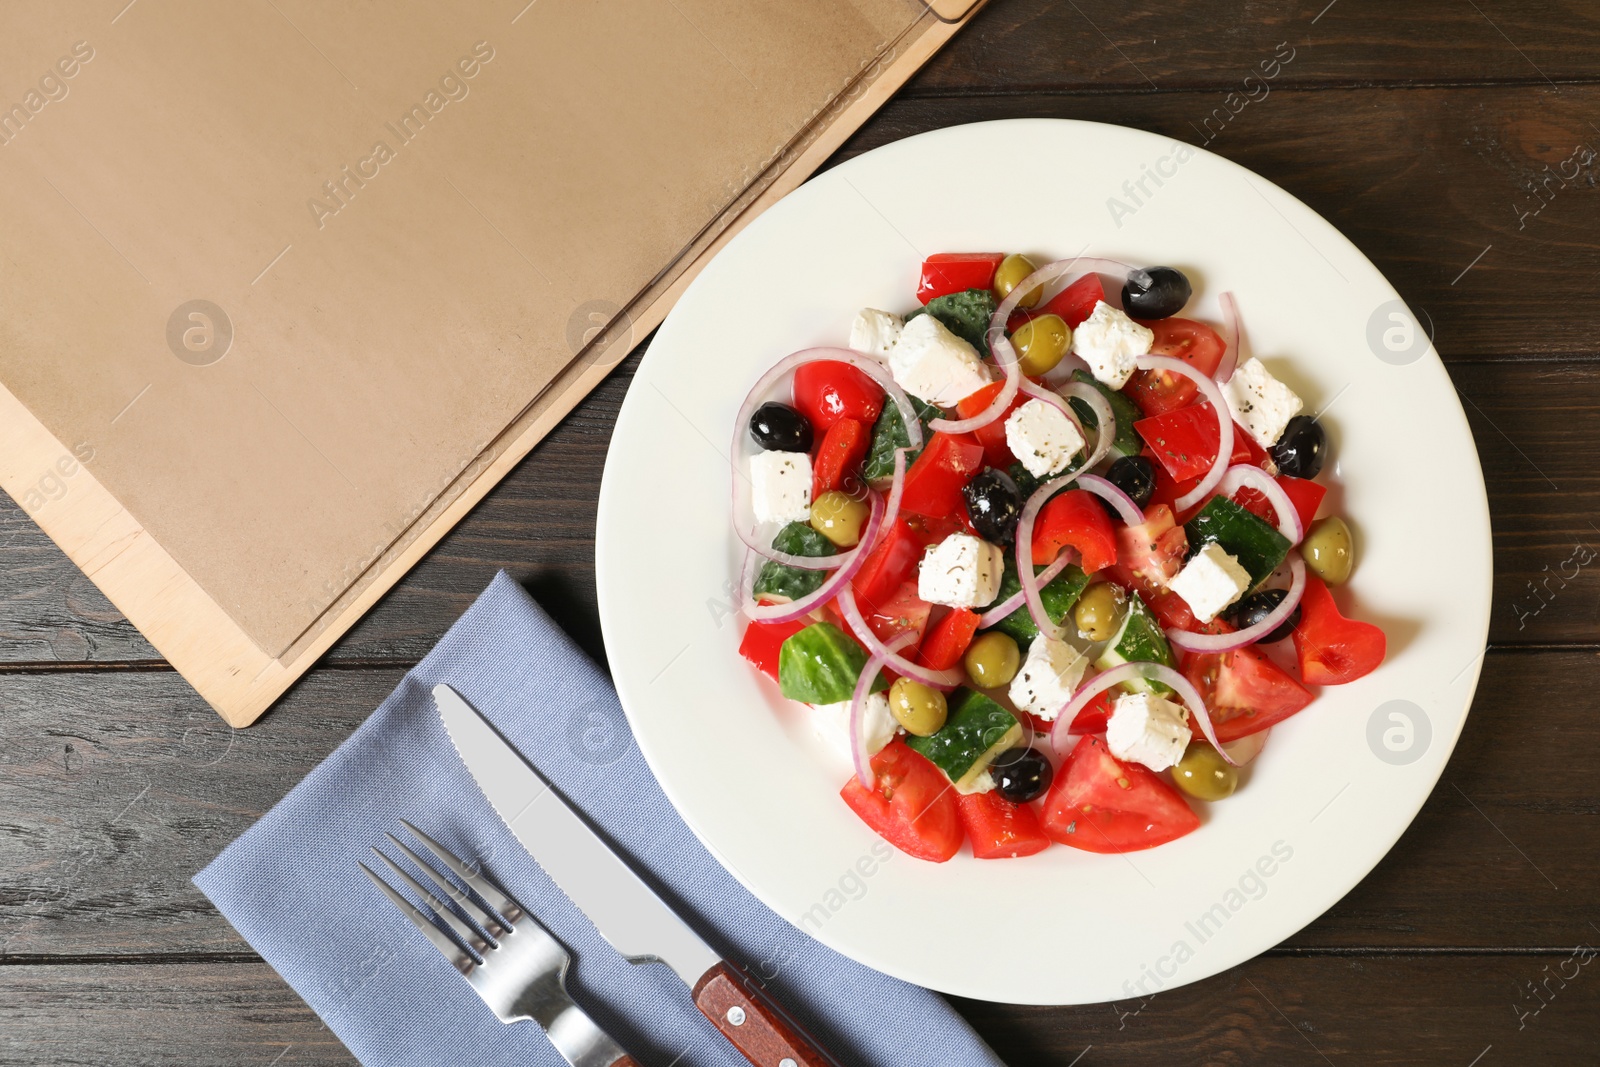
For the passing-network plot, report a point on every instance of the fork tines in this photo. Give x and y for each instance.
(475, 925)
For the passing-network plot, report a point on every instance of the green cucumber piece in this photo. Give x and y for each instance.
(975, 731)
(820, 665)
(889, 433)
(1140, 639)
(792, 583)
(1058, 595)
(965, 314)
(1244, 535)
(1125, 411)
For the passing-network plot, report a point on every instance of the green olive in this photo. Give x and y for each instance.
(1328, 550)
(839, 517)
(918, 708)
(1012, 272)
(992, 660)
(1041, 342)
(1203, 773)
(1098, 612)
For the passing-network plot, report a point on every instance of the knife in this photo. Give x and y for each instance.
(625, 910)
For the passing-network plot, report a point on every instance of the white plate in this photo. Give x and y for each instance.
(1337, 784)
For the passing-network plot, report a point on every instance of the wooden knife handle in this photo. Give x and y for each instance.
(755, 1025)
(626, 1061)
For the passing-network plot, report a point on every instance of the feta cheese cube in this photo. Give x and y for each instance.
(1259, 402)
(1210, 582)
(1048, 677)
(930, 362)
(832, 724)
(961, 571)
(1145, 728)
(1111, 343)
(875, 332)
(780, 486)
(1042, 438)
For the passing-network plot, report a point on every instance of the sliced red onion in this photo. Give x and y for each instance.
(1243, 474)
(858, 703)
(995, 615)
(868, 366)
(1152, 672)
(1232, 334)
(942, 680)
(1213, 396)
(1105, 420)
(1193, 642)
(838, 580)
(1004, 354)
(1247, 748)
(1127, 510)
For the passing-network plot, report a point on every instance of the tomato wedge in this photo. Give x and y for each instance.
(947, 639)
(911, 806)
(1075, 519)
(1193, 342)
(999, 828)
(839, 457)
(827, 390)
(1095, 715)
(1168, 489)
(762, 640)
(1100, 804)
(1152, 552)
(904, 612)
(992, 436)
(1183, 441)
(1333, 649)
(1244, 691)
(956, 272)
(893, 562)
(933, 484)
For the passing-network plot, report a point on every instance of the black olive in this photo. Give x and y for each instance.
(1301, 449)
(994, 504)
(1020, 774)
(780, 428)
(1155, 293)
(1257, 606)
(1135, 476)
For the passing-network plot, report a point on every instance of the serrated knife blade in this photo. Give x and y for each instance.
(626, 911)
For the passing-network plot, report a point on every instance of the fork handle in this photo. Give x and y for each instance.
(755, 1025)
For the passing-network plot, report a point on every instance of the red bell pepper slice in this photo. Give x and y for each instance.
(826, 390)
(947, 639)
(1094, 716)
(956, 272)
(1304, 494)
(1075, 519)
(891, 564)
(762, 640)
(839, 457)
(933, 484)
(1074, 303)
(999, 828)
(992, 436)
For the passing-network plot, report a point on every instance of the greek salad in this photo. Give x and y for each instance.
(1044, 558)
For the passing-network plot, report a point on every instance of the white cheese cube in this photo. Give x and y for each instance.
(780, 486)
(1259, 402)
(1145, 728)
(832, 723)
(1210, 582)
(875, 332)
(930, 362)
(1111, 344)
(961, 571)
(983, 783)
(1042, 438)
(1048, 677)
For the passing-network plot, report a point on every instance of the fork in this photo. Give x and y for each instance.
(511, 961)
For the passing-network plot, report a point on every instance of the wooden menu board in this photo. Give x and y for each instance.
(286, 285)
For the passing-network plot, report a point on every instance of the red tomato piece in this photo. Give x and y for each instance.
(992, 437)
(1333, 649)
(839, 457)
(1153, 552)
(912, 805)
(956, 272)
(1095, 715)
(1074, 303)
(947, 639)
(904, 612)
(933, 484)
(999, 828)
(892, 563)
(827, 390)
(762, 640)
(1244, 690)
(1100, 804)
(1193, 342)
(1305, 495)
(1075, 519)
(1184, 441)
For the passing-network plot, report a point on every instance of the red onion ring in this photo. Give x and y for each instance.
(1193, 642)
(995, 615)
(858, 702)
(941, 680)
(1104, 419)
(868, 366)
(1024, 552)
(1232, 333)
(839, 579)
(1155, 672)
(1248, 747)
(1126, 508)
(1243, 474)
(1224, 415)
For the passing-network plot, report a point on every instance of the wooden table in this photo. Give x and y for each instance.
(1447, 138)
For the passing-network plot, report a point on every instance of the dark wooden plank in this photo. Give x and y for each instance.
(1104, 45)
(1418, 1012)
(115, 787)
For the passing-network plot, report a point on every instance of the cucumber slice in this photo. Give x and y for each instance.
(1124, 410)
(889, 433)
(792, 583)
(1244, 535)
(1140, 639)
(1058, 595)
(820, 665)
(974, 733)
